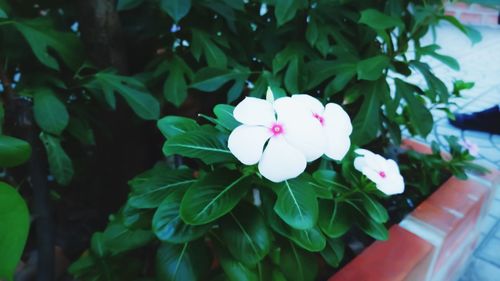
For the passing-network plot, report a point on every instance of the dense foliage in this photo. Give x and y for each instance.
(88, 79)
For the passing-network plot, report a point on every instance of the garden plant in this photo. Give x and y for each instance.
(214, 139)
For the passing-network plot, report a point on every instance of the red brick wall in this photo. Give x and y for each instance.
(473, 14)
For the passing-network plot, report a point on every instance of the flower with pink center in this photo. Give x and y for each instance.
(470, 146)
(383, 172)
(335, 122)
(292, 137)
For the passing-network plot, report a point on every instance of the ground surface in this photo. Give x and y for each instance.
(481, 64)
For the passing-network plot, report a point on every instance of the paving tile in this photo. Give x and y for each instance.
(480, 270)
(490, 250)
(495, 209)
(487, 224)
(491, 153)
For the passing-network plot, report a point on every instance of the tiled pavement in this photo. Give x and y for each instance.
(480, 64)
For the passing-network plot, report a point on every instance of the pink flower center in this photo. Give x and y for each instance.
(382, 174)
(320, 118)
(276, 129)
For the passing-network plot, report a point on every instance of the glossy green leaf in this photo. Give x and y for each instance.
(203, 43)
(367, 122)
(420, 116)
(81, 130)
(374, 209)
(175, 125)
(176, 9)
(134, 92)
(321, 70)
(213, 196)
(378, 20)
(118, 239)
(50, 113)
(334, 252)
(285, 10)
(334, 218)
(210, 79)
(367, 225)
(224, 113)
(13, 151)
(372, 68)
(236, 270)
(14, 222)
(297, 204)
(168, 225)
(246, 235)
(434, 84)
(150, 188)
(236, 90)
(175, 87)
(41, 36)
(292, 76)
(60, 165)
(188, 261)
(204, 143)
(297, 264)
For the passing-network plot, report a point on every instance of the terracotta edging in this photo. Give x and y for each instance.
(435, 240)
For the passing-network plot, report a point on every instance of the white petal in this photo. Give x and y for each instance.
(336, 146)
(247, 142)
(372, 174)
(280, 161)
(254, 111)
(307, 135)
(363, 152)
(311, 103)
(391, 186)
(392, 166)
(336, 117)
(301, 130)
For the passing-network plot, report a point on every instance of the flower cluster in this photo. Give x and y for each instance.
(282, 135)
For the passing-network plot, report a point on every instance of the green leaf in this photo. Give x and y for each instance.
(189, 261)
(420, 116)
(378, 20)
(123, 5)
(81, 130)
(374, 209)
(41, 36)
(168, 225)
(151, 187)
(367, 122)
(433, 83)
(176, 9)
(298, 265)
(297, 204)
(431, 51)
(213, 54)
(292, 76)
(224, 113)
(370, 227)
(13, 151)
(14, 222)
(118, 239)
(334, 252)
(285, 10)
(236, 90)
(372, 68)
(134, 92)
(321, 70)
(310, 239)
(334, 218)
(246, 235)
(50, 113)
(175, 125)
(473, 35)
(234, 269)
(175, 88)
(204, 143)
(209, 79)
(213, 196)
(60, 164)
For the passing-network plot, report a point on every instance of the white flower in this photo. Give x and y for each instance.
(336, 125)
(294, 138)
(470, 146)
(383, 172)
